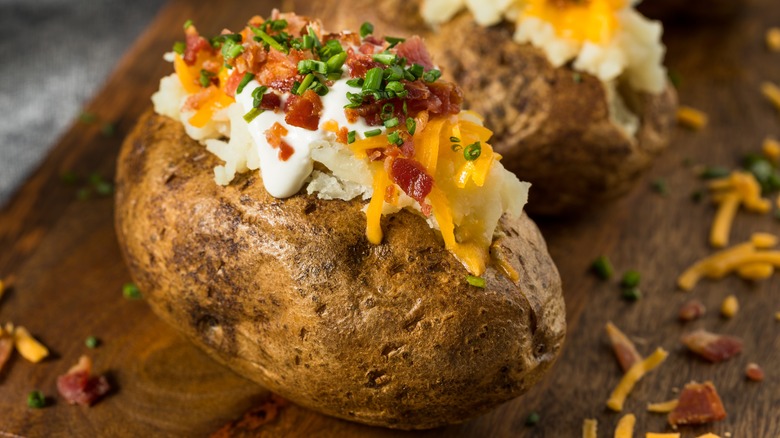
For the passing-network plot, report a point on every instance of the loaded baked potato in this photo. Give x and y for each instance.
(424, 326)
(579, 139)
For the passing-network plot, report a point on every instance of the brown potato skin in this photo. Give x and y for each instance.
(553, 130)
(290, 293)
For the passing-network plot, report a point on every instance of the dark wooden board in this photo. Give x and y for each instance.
(69, 272)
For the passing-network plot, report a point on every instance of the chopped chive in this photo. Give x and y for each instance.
(313, 36)
(417, 70)
(92, 342)
(104, 188)
(306, 66)
(319, 88)
(83, 193)
(69, 177)
(411, 125)
(257, 96)
(391, 123)
(576, 77)
(335, 63)
(372, 133)
(179, 47)
(455, 139)
(714, 172)
(373, 79)
(659, 186)
(431, 75)
(404, 108)
(351, 137)
(532, 419)
(356, 82)
(472, 151)
(230, 51)
(268, 40)
(36, 400)
(602, 267)
(476, 281)
(108, 129)
(393, 73)
(205, 78)
(395, 138)
(308, 42)
(456, 147)
(245, 80)
(252, 114)
(630, 279)
(394, 40)
(307, 81)
(187, 24)
(87, 117)
(387, 111)
(131, 291)
(632, 294)
(366, 29)
(394, 86)
(384, 58)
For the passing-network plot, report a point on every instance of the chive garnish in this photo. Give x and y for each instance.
(351, 137)
(630, 279)
(257, 96)
(602, 267)
(309, 65)
(411, 125)
(131, 291)
(431, 75)
(372, 133)
(307, 81)
(356, 82)
(366, 29)
(714, 172)
(659, 186)
(91, 342)
(179, 47)
(336, 62)
(476, 281)
(245, 80)
(532, 419)
(36, 400)
(391, 123)
(632, 294)
(385, 58)
(187, 24)
(472, 151)
(455, 139)
(373, 79)
(394, 40)
(252, 114)
(205, 78)
(268, 40)
(395, 138)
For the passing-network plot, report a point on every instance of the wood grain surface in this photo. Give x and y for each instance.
(68, 272)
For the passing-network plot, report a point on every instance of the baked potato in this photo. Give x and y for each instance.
(559, 128)
(296, 292)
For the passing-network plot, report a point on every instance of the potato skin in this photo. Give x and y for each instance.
(551, 124)
(289, 292)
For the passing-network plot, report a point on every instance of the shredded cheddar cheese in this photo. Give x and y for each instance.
(28, 346)
(662, 435)
(691, 117)
(773, 39)
(374, 212)
(739, 188)
(590, 428)
(730, 306)
(663, 407)
(185, 75)
(594, 21)
(771, 149)
(625, 427)
(708, 435)
(772, 93)
(632, 376)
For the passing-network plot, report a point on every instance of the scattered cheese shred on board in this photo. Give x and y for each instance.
(28, 346)
(625, 350)
(771, 149)
(771, 92)
(730, 306)
(662, 407)
(625, 427)
(708, 435)
(662, 435)
(773, 39)
(738, 189)
(633, 375)
(590, 428)
(691, 117)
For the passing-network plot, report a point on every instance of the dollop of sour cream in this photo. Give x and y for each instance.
(284, 178)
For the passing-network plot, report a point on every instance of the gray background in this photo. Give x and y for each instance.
(54, 55)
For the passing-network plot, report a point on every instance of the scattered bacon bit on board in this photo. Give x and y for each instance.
(712, 346)
(754, 372)
(254, 420)
(78, 386)
(625, 350)
(699, 404)
(691, 310)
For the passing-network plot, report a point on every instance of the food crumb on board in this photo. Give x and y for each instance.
(590, 428)
(662, 435)
(699, 404)
(691, 310)
(773, 39)
(771, 92)
(754, 372)
(691, 117)
(771, 149)
(663, 407)
(632, 376)
(729, 307)
(625, 426)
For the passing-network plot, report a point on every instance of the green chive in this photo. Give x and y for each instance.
(576, 77)
(417, 70)
(394, 40)
(373, 79)
(252, 114)
(394, 86)
(391, 123)
(532, 419)
(205, 78)
(602, 267)
(245, 80)
(335, 63)
(630, 279)
(366, 29)
(69, 177)
(431, 75)
(411, 125)
(659, 186)
(104, 188)
(384, 58)
(632, 294)
(472, 151)
(36, 400)
(307, 81)
(320, 88)
(455, 139)
(351, 137)
(257, 96)
(187, 24)
(675, 78)
(87, 117)
(714, 172)
(476, 281)
(309, 65)
(108, 129)
(393, 73)
(83, 193)
(131, 291)
(230, 51)
(268, 40)
(179, 47)
(372, 133)
(387, 111)
(92, 342)
(307, 42)
(356, 82)
(456, 147)
(313, 36)
(395, 138)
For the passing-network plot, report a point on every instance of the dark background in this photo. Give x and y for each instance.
(54, 55)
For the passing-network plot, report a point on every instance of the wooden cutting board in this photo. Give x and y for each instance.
(68, 272)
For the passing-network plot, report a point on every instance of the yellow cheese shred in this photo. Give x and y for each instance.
(663, 407)
(374, 211)
(632, 376)
(739, 188)
(216, 101)
(28, 346)
(590, 428)
(625, 427)
(662, 435)
(183, 72)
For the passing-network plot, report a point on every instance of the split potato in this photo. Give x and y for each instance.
(556, 128)
(290, 293)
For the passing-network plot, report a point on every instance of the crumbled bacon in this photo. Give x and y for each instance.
(270, 101)
(252, 59)
(699, 403)
(78, 386)
(195, 44)
(255, 421)
(304, 110)
(415, 52)
(274, 137)
(6, 347)
(754, 372)
(692, 309)
(232, 83)
(359, 63)
(342, 136)
(280, 68)
(712, 346)
(195, 101)
(412, 178)
(624, 349)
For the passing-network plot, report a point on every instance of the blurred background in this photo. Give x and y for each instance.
(50, 66)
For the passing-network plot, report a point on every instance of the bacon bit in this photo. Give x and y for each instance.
(754, 372)
(252, 59)
(78, 386)
(590, 428)
(280, 70)
(232, 83)
(271, 102)
(254, 422)
(343, 135)
(711, 346)
(415, 52)
(691, 310)
(358, 63)
(304, 111)
(663, 407)
(630, 378)
(438, 98)
(6, 347)
(412, 178)
(195, 44)
(699, 404)
(625, 427)
(391, 195)
(729, 307)
(274, 137)
(625, 350)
